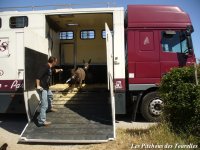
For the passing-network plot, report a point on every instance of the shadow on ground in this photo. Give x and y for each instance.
(128, 118)
(13, 123)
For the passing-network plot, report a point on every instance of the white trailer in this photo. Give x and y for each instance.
(28, 38)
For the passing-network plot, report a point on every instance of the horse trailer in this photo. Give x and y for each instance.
(130, 51)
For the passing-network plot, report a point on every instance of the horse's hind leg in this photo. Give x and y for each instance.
(71, 88)
(80, 84)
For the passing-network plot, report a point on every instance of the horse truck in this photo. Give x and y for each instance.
(130, 51)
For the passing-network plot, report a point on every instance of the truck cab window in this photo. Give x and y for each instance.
(18, 22)
(174, 41)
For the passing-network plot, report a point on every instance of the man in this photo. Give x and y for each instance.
(42, 85)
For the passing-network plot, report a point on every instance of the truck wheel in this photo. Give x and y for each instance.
(151, 107)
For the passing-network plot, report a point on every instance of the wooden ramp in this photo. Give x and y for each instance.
(83, 117)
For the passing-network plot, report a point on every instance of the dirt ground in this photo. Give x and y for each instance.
(11, 127)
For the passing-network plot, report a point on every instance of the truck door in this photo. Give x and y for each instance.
(68, 55)
(11, 71)
(173, 51)
(109, 47)
(143, 58)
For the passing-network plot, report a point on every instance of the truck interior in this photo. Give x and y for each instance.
(78, 37)
(84, 115)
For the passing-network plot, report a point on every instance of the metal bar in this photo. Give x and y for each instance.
(24, 139)
(107, 4)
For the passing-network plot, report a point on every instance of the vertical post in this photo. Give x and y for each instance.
(75, 47)
(195, 73)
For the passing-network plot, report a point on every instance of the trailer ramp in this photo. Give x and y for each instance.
(83, 117)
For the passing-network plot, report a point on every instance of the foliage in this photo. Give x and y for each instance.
(181, 98)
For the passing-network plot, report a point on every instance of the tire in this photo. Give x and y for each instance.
(151, 107)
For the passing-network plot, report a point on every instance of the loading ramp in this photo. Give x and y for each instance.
(83, 117)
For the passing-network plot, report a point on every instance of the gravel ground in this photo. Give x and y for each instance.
(11, 127)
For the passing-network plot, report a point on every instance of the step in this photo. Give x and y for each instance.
(82, 106)
(79, 102)
(77, 97)
(83, 111)
(85, 87)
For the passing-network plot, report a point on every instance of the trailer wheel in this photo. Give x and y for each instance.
(151, 107)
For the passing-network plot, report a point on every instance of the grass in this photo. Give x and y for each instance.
(160, 136)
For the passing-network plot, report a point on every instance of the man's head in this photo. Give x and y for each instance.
(52, 60)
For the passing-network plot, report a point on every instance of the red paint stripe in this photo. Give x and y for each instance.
(11, 85)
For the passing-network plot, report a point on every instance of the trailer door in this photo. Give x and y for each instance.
(109, 47)
(35, 54)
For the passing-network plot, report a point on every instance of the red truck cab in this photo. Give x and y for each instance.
(158, 39)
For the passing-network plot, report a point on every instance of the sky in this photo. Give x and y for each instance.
(189, 6)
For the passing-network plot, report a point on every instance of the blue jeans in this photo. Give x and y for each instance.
(46, 98)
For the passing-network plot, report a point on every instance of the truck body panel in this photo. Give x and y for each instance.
(158, 16)
(148, 60)
(37, 41)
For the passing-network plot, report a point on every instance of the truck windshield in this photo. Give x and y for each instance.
(175, 43)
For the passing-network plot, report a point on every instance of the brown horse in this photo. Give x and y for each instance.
(78, 75)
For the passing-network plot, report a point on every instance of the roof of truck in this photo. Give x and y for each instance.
(143, 16)
(64, 11)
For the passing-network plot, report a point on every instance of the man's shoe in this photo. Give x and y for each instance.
(4, 146)
(47, 123)
(53, 110)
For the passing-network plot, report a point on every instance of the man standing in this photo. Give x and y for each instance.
(45, 94)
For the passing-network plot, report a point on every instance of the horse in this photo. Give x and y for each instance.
(78, 75)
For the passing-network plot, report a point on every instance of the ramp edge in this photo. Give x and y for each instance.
(24, 140)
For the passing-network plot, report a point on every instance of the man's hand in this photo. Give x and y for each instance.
(59, 70)
(39, 88)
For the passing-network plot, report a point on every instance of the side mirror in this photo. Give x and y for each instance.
(190, 51)
(188, 32)
(189, 42)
